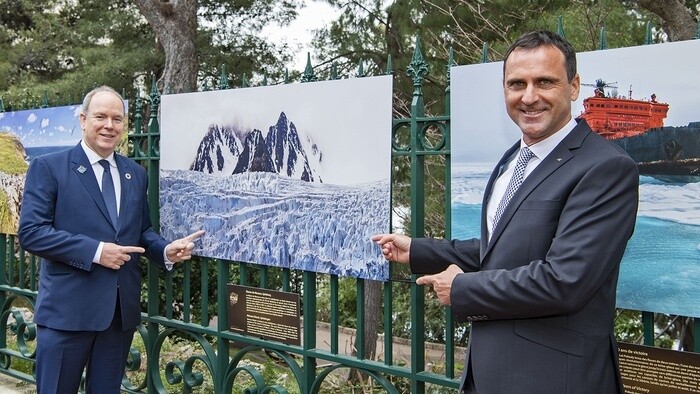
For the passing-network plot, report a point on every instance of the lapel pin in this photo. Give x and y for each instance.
(81, 169)
(558, 158)
(127, 176)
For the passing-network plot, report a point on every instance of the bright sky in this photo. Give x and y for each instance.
(313, 16)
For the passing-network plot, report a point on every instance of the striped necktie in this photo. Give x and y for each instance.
(515, 182)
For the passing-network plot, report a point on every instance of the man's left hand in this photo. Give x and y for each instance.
(181, 249)
(441, 283)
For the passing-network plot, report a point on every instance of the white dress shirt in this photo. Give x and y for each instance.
(540, 150)
(97, 168)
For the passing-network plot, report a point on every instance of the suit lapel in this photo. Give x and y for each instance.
(81, 168)
(487, 195)
(560, 155)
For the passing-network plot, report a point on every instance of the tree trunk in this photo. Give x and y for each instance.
(175, 26)
(373, 315)
(678, 21)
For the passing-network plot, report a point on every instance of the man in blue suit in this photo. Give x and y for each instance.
(85, 213)
(539, 286)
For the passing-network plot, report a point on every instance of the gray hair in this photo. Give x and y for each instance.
(91, 94)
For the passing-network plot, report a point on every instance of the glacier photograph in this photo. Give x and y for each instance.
(294, 176)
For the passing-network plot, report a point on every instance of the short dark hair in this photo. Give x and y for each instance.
(540, 38)
(91, 94)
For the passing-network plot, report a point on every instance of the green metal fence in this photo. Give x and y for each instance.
(184, 344)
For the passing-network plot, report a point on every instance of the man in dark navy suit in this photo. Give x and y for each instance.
(539, 286)
(85, 213)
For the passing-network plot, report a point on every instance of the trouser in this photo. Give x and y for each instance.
(62, 355)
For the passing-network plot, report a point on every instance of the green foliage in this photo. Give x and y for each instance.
(65, 48)
(197, 291)
(229, 36)
(347, 301)
(60, 49)
(628, 326)
(624, 24)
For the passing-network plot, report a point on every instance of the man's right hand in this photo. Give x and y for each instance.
(395, 247)
(114, 256)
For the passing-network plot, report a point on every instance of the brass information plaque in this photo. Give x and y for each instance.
(652, 370)
(264, 313)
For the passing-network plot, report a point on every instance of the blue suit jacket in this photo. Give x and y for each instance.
(63, 219)
(541, 292)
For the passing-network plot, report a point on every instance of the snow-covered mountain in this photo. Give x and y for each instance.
(284, 151)
(287, 152)
(255, 156)
(218, 151)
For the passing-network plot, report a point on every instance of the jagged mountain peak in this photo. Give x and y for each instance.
(228, 150)
(288, 153)
(254, 157)
(218, 151)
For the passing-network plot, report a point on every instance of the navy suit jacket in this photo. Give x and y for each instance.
(63, 219)
(541, 292)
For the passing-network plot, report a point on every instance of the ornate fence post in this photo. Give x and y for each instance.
(417, 70)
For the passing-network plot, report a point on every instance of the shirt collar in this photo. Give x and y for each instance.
(93, 157)
(547, 145)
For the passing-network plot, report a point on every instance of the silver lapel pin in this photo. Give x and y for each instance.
(127, 176)
(81, 169)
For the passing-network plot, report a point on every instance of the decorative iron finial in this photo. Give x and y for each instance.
(138, 118)
(264, 81)
(223, 78)
(418, 68)
(560, 26)
(334, 71)
(308, 75)
(648, 39)
(45, 101)
(389, 65)
(603, 39)
(450, 63)
(361, 69)
(154, 96)
(485, 53)
(286, 75)
(244, 81)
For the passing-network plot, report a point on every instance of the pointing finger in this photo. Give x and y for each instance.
(425, 280)
(132, 249)
(381, 239)
(193, 236)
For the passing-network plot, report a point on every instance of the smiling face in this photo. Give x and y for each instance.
(537, 92)
(103, 123)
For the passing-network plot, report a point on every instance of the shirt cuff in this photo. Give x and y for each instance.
(168, 264)
(98, 253)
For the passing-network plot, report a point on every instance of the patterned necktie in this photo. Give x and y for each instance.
(515, 182)
(108, 191)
